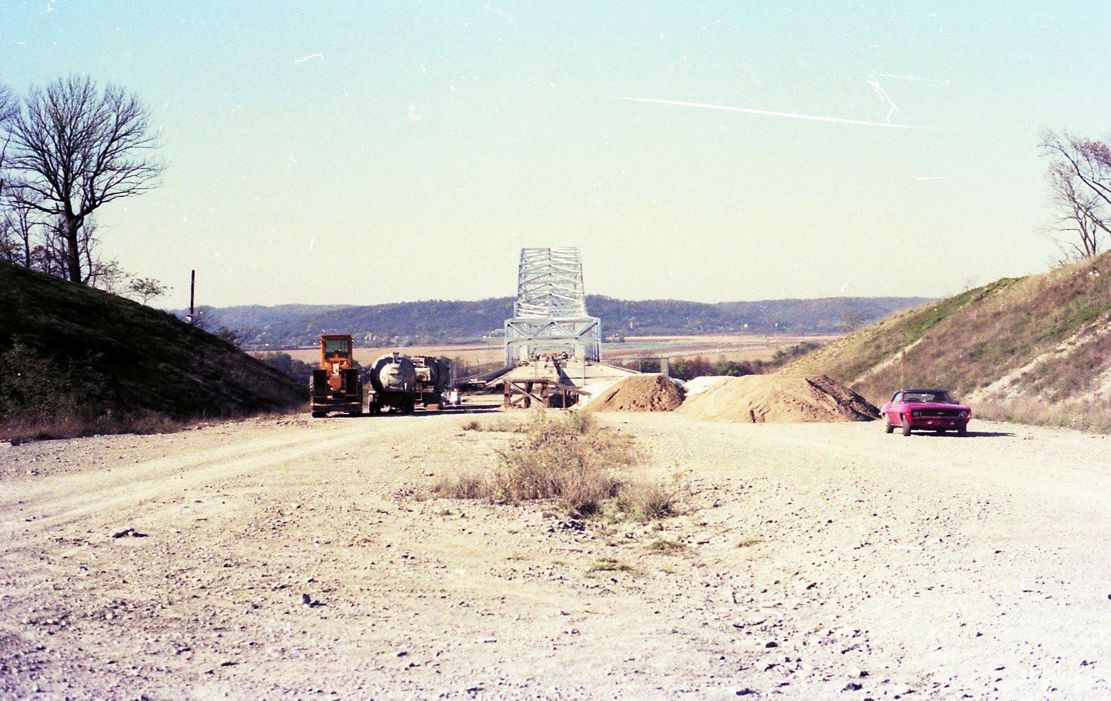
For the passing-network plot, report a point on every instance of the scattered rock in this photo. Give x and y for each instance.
(129, 532)
(309, 601)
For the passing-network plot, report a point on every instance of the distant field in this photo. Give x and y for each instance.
(731, 347)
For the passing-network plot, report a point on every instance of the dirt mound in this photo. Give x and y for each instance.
(779, 399)
(701, 384)
(638, 393)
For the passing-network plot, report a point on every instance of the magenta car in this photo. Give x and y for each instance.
(926, 410)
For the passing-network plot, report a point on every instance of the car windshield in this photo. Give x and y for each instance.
(939, 397)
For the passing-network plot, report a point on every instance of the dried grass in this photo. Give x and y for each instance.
(646, 501)
(666, 547)
(1093, 416)
(76, 426)
(497, 426)
(570, 460)
(608, 564)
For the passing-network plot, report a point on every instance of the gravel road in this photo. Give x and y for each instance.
(292, 557)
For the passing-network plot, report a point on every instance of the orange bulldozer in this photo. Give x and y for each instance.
(336, 385)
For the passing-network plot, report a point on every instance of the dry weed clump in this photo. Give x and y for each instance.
(1093, 416)
(608, 564)
(465, 487)
(646, 501)
(571, 460)
(666, 547)
(74, 425)
(497, 426)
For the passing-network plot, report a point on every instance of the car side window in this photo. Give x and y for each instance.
(897, 398)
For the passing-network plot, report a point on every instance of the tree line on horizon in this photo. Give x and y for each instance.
(438, 321)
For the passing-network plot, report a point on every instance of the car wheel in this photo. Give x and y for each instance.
(906, 427)
(887, 427)
(962, 431)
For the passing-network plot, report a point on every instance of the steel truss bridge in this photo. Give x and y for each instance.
(549, 315)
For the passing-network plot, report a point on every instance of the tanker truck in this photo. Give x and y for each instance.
(401, 382)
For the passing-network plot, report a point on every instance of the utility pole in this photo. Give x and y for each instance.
(192, 289)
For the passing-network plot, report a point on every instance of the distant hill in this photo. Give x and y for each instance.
(439, 321)
(72, 353)
(1035, 349)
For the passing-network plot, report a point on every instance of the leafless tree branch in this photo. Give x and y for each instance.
(1079, 176)
(78, 147)
(9, 108)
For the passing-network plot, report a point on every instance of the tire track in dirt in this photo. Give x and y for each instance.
(67, 498)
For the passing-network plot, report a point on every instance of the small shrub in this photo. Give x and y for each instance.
(409, 492)
(666, 547)
(609, 564)
(580, 423)
(748, 542)
(498, 426)
(646, 501)
(571, 460)
(39, 394)
(465, 487)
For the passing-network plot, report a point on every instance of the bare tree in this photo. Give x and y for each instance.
(78, 147)
(1082, 214)
(17, 233)
(9, 108)
(1080, 182)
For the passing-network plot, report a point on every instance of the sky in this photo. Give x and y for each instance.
(371, 152)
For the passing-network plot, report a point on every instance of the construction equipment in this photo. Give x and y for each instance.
(401, 382)
(553, 348)
(336, 384)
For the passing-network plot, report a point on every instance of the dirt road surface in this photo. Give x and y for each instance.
(293, 557)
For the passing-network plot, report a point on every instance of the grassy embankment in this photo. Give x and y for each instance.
(76, 360)
(1035, 349)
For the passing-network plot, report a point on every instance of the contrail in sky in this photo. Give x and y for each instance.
(882, 94)
(914, 78)
(770, 113)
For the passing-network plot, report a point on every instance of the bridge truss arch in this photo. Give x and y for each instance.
(549, 315)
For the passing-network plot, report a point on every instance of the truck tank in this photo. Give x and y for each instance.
(393, 373)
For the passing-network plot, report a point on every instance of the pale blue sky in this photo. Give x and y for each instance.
(373, 152)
